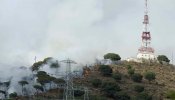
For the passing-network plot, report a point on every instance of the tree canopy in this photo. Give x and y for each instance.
(38, 87)
(13, 95)
(112, 56)
(55, 64)
(43, 77)
(59, 81)
(46, 60)
(163, 58)
(22, 83)
(37, 65)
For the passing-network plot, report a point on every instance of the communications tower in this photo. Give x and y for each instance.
(146, 51)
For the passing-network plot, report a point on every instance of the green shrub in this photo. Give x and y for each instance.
(122, 96)
(137, 77)
(13, 95)
(129, 67)
(38, 87)
(171, 94)
(78, 93)
(117, 76)
(105, 70)
(144, 96)
(54, 65)
(110, 88)
(96, 82)
(131, 71)
(163, 58)
(150, 76)
(97, 97)
(138, 88)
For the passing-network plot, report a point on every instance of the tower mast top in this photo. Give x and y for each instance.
(146, 17)
(146, 7)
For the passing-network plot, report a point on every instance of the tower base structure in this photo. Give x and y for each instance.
(146, 53)
(146, 56)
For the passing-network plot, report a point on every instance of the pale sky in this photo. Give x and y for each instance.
(81, 29)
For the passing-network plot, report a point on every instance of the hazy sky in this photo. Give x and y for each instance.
(81, 29)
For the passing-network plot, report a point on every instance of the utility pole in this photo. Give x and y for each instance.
(69, 90)
(172, 58)
(69, 87)
(86, 95)
(35, 59)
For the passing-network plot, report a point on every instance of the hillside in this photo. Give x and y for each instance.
(156, 89)
(165, 78)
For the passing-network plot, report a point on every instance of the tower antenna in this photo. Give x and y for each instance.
(146, 51)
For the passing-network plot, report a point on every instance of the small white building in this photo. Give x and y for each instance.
(147, 56)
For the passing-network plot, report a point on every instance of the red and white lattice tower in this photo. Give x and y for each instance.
(146, 51)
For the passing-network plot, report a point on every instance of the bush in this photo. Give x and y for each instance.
(105, 70)
(163, 58)
(96, 82)
(129, 67)
(78, 93)
(13, 95)
(150, 76)
(137, 77)
(97, 97)
(122, 96)
(117, 76)
(110, 88)
(112, 56)
(144, 96)
(38, 87)
(138, 88)
(54, 65)
(59, 81)
(131, 71)
(171, 94)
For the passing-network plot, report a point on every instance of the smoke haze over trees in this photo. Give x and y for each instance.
(81, 30)
(59, 28)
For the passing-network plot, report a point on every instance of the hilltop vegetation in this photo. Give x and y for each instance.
(133, 81)
(121, 81)
(147, 81)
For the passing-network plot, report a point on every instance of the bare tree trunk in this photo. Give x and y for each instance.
(36, 93)
(22, 89)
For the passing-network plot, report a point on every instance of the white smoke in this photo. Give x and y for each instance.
(61, 29)
(81, 30)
